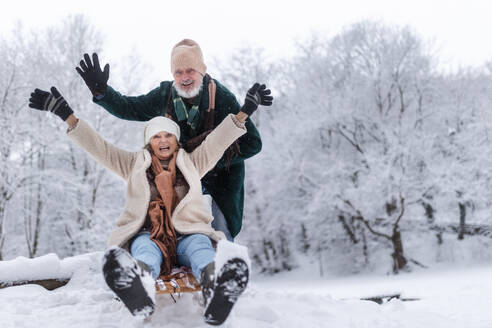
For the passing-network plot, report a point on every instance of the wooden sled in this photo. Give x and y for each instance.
(181, 280)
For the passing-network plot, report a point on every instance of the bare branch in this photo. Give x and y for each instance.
(353, 143)
(366, 222)
(402, 204)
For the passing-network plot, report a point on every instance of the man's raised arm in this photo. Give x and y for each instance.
(139, 108)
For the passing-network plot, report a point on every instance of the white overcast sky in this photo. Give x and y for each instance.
(462, 29)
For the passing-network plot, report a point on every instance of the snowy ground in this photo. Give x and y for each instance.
(448, 298)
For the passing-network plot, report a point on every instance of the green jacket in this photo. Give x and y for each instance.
(226, 185)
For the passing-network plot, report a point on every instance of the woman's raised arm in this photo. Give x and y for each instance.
(117, 160)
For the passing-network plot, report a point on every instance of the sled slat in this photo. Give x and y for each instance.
(181, 281)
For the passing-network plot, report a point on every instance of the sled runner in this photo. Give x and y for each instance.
(181, 280)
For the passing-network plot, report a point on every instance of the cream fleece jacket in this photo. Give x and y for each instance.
(191, 214)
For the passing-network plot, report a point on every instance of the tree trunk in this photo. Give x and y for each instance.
(347, 229)
(305, 239)
(28, 219)
(461, 233)
(399, 260)
(320, 260)
(2, 230)
(37, 224)
(39, 204)
(429, 212)
(439, 238)
(365, 249)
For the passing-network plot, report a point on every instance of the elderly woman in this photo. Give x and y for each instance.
(165, 221)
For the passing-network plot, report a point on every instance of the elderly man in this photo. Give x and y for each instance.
(198, 104)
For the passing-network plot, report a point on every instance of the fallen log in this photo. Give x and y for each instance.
(48, 284)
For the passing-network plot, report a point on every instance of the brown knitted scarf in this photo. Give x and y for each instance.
(160, 212)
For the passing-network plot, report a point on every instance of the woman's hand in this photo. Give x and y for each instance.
(257, 95)
(53, 102)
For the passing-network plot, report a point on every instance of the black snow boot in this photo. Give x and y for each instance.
(131, 280)
(221, 293)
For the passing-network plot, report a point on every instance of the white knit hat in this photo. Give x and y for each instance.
(160, 124)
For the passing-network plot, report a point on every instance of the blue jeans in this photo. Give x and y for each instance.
(194, 251)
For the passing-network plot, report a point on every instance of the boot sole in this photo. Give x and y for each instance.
(120, 273)
(230, 283)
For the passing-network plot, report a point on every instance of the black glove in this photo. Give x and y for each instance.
(96, 80)
(257, 95)
(52, 102)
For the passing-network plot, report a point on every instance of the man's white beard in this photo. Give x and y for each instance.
(189, 94)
